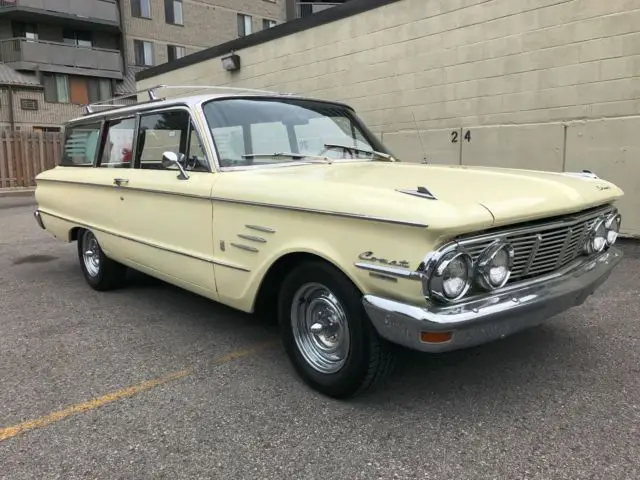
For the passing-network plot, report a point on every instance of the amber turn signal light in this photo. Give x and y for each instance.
(436, 337)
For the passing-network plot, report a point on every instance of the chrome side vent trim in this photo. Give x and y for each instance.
(252, 238)
(246, 248)
(420, 191)
(260, 228)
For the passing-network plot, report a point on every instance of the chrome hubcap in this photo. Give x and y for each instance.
(91, 253)
(320, 328)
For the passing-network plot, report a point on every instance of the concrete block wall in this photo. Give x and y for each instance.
(538, 84)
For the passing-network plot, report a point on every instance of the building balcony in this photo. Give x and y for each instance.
(102, 14)
(27, 54)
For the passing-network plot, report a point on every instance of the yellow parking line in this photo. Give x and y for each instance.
(10, 432)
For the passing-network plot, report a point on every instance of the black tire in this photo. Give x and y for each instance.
(370, 358)
(106, 274)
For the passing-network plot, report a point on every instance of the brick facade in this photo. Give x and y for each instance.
(206, 23)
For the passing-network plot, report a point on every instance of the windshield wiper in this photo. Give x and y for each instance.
(294, 156)
(384, 156)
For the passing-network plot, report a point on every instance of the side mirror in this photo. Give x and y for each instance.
(170, 159)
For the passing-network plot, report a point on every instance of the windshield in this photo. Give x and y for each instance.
(258, 131)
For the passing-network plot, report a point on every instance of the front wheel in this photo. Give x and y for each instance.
(327, 334)
(100, 272)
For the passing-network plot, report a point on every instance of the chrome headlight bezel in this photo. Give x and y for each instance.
(590, 247)
(484, 264)
(433, 282)
(609, 223)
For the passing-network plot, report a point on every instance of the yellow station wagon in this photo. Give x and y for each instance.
(290, 206)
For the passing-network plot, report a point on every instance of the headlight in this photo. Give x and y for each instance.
(450, 277)
(596, 238)
(612, 225)
(493, 267)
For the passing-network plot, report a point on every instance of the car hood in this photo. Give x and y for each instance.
(476, 197)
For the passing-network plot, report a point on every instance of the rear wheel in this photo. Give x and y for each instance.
(100, 272)
(327, 334)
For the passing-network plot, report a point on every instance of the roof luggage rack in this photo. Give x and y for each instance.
(153, 97)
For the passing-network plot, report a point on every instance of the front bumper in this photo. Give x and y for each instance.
(494, 316)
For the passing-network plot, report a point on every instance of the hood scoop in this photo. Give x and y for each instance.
(420, 191)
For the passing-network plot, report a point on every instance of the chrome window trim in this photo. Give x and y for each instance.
(179, 107)
(142, 242)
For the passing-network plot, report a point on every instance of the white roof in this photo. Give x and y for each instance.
(191, 100)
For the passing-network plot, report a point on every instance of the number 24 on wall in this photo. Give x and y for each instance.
(454, 136)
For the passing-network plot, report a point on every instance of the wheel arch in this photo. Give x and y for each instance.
(265, 302)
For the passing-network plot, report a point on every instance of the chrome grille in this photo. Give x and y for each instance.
(543, 248)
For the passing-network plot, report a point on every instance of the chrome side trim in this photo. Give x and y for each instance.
(356, 216)
(381, 276)
(393, 271)
(38, 218)
(124, 188)
(244, 247)
(153, 245)
(260, 228)
(252, 238)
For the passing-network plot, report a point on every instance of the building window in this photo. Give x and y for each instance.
(175, 52)
(25, 30)
(56, 88)
(173, 12)
(141, 8)
(29, 104)
(244, 25)
(266, 23)
(99, 89)
(78, 38)
(143, 53)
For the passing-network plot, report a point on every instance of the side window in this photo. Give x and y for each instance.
(118, 144)
(80, 144)
(170, 131)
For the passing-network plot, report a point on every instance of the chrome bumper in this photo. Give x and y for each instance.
(490, 317)
(38, 218)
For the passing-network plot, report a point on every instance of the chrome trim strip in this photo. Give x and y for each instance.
(38, 218)
(244, 247)
(393, 271)
(251, 238)
(532, 255)
(569, 221)
(142, 242)
(260, 228)
(321, 212)
(124, 188)
(381, 276)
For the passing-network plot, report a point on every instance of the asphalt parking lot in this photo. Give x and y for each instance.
(155, 382)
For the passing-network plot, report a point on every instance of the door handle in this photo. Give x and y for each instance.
(120, 181)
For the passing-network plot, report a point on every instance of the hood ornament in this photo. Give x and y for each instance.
(420, 191)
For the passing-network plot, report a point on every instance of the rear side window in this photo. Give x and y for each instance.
(80, 145)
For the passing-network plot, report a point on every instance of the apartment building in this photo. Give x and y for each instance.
(58, 55)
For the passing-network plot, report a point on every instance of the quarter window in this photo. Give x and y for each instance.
(80, 144)
(170, 131)
(117, 150)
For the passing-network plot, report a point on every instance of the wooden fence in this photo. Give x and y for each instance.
(23, 155)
